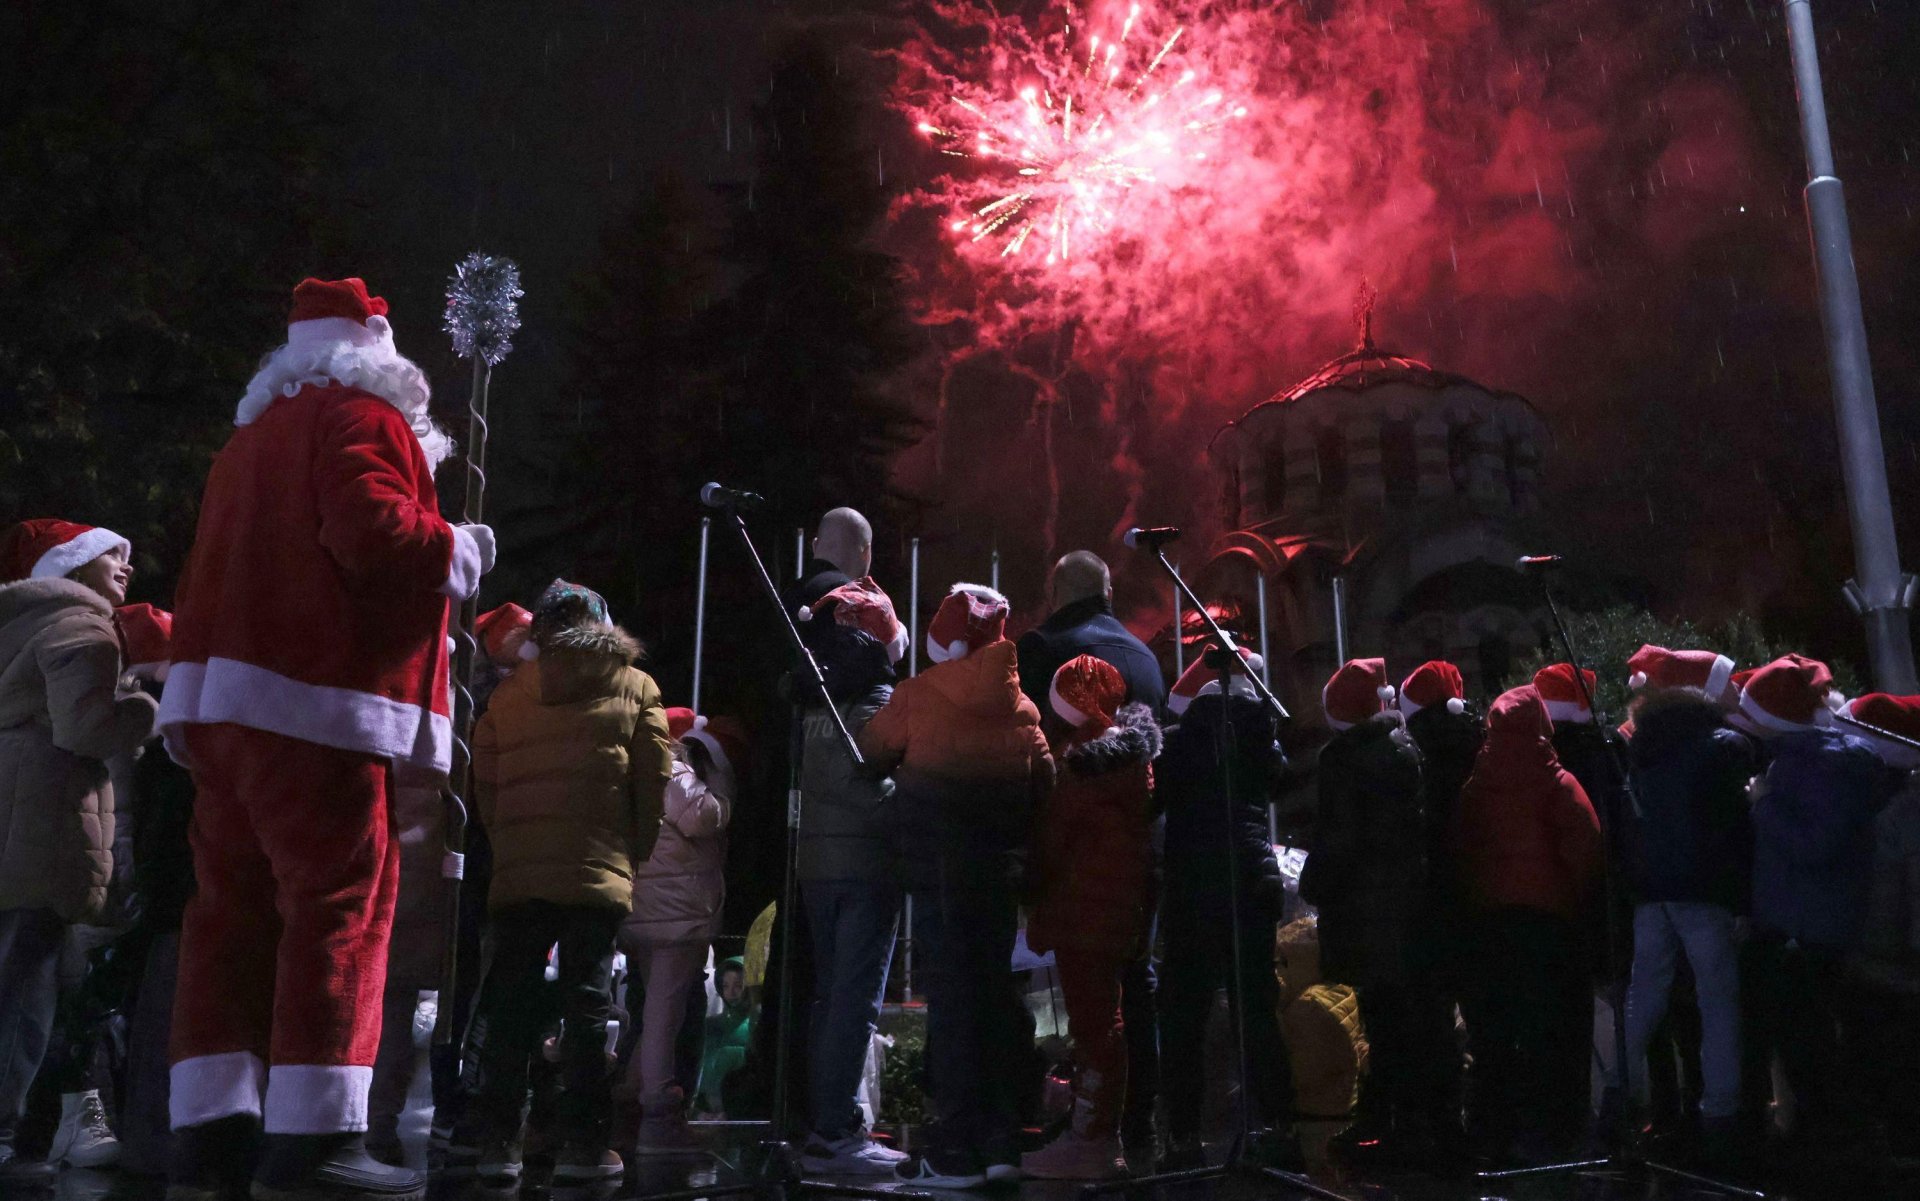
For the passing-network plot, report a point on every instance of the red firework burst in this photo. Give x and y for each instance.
(1068, 123)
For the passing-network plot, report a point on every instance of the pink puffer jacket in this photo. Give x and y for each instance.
(678, 891)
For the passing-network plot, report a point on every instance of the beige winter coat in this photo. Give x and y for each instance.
(61, 717)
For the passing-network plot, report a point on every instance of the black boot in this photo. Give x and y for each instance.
(330, 1167)
(214, 1161)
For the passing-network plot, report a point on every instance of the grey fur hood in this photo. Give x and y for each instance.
(1133, 740)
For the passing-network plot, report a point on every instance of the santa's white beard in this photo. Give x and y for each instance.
(379, 369)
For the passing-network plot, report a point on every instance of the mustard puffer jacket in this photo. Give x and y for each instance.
(62, 715)
(570, 767)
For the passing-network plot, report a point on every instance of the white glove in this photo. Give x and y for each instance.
(473, 553)
(482, 536)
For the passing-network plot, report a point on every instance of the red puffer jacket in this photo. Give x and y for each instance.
(1093, 853)
(1526, 835)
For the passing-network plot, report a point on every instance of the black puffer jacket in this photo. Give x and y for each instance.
(1692, 837)
(1188, 786)
(1367, 869)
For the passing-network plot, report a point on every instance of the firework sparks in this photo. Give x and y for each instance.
(1065, 124)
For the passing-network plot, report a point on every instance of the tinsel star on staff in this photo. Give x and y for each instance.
(483, 313)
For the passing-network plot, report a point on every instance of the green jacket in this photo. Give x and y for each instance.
(570, 766)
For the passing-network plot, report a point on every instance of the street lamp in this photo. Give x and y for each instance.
(1881, 593)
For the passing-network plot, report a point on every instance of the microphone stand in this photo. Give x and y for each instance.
(1618, 1160)
(779, 1174)
(1224, 657)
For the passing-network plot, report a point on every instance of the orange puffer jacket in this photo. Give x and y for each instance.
(966, 753)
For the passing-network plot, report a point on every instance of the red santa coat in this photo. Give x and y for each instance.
(314, 602)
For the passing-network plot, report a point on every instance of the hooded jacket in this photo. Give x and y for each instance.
(1093, 848)
(1449, 743)
(968, 759)
(679, 889)
(1691, 838)
(570, 767)
(1190, 782)
(61, 718)
(1367, 871)
(1526, 834)
(1813, 814)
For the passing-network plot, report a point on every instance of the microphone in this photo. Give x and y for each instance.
(1150, 539)
(1526, 563)
(719, 496)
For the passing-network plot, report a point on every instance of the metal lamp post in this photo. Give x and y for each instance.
(1881, 594)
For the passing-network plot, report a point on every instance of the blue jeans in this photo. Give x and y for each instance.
(852, 924)
(1704, 932)
(30, 942)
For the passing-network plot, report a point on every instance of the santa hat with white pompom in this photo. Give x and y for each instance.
(1435, 682)
(971, 617)
(1200, 679)
(722, 736)
(47, 548)
(1356, 693)
(1568, 700)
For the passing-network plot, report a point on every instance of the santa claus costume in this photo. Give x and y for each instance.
(309, 661)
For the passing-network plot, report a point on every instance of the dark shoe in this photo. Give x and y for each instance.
(214, 1161)
(582, 1166)
(330, 1167)
(942, 1169)
(22, 1174)
(497, 1165)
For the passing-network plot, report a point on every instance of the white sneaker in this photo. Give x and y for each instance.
(855, 1155)
(84, 1139)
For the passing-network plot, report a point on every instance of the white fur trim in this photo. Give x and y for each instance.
(1407, 706)
(805, 613)
(1718, 678)
(897, 645)
(464, 568)
(529, 651)
(1335, 724)
(316, 1098)
(231, 691)
(699, 734)
(1766, 724)
(1456, 706)
(75, 553)
(1067, 712)
(339, 329)
(1567, 712)
(205, 1087)
(1637, 680)
(377, 368)
(943, 652)
(1177, 703)
(982, 591)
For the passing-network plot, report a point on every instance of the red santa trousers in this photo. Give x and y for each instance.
(1090, 983)
(283, 953)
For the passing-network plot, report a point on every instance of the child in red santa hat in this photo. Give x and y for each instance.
(1093, 861)
(571, 766)
(309, 657)
(63, 715)
(969, 762)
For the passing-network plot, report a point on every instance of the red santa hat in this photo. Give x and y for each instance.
(864, 605)
(1086, 692)
(1896, 715)
(1736, 684)
(337, 310)
(680, 720)
(503, 632)
(146, 635)
(1357, 692)
(1790, 695)
(1658, 667)
(971, 617)
(1435, 682)
(1565, 700)
(724, 738)
(48, 548)
(1200, 680)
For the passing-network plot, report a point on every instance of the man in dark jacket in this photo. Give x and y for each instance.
(1691, 847)
(1191, 781)
(1080, 589)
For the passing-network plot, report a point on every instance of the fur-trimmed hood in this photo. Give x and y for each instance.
(1132, 740)
(579, 661)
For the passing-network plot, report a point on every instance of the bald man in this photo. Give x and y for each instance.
(1080, 592)
(842, 552)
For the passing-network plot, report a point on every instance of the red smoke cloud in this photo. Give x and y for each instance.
(1481, 163)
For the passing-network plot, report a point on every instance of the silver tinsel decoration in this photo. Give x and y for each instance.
(483, 308)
